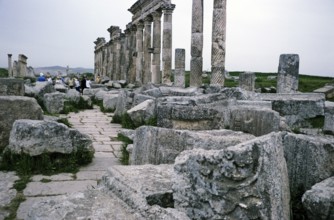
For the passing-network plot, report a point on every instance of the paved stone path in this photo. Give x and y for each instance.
(107, 150)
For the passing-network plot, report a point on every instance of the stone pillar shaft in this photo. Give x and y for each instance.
(180, 56)
(139, 50)
(288, 73)
(218, 43)
(133, 56)
(247, 81)
(156, 63)
(147, 75)
(127, 57)
(196, 63)
(167, 43)
(10, 72)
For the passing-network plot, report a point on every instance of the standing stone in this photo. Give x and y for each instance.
(139, 49)
(147, 76)
(247, 81)
(288, 73)
(196, 63)
(10, 72)
(127, 57)
(22, 66)
(218, 43)
(180, 56)
(133, 54)
(156, 75)
(167, 43)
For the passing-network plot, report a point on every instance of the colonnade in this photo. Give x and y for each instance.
(136, 54)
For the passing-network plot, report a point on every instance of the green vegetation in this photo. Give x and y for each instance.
(317, 122)
(70, 106)
(3, 73)
(44, 180)
(124, 159)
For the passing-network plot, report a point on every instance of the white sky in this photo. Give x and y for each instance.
(62, 32)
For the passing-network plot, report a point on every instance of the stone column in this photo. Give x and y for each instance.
(196, 63)
(133, 55)
(288, 73)
(118, 53)
(147, 55)
(247, 81)
(180, 59)
(139, 51)
(167, 43)
(218, 43)
(127, 56)
(22, 65)
(156, 63)
(10, 72)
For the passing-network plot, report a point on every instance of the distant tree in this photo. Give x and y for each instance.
(3, 72)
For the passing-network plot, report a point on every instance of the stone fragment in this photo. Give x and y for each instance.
(310, 160)
(73, 95)
(54, 102)
(122, 103)
(329, 118)
(142, 113)
(256, 121)
(318, 201)
(245, 181)
(13, 108)
(327, 90)
(34, 137)
(247, 81)
(110, 101)
(179, 76)
(42, 88)
(288, 73)
(12, 87)
(162, 146)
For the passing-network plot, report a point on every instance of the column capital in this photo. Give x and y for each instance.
(168, 8)
(9, 55)
(140, 25)
(156, 15)
(148, 20)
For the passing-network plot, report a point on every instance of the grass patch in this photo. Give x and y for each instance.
(127, 122)
(124, 159)
(71, 106)
(44, 180)
(47, 163)
(65, 122)
(3, 73)
(317, 122)
(14, 205)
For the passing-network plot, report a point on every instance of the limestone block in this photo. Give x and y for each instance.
(310, 160)
(175, 91)
(146, 189)
(245, 181)
(42, 88)
(54, 102)
(13, 108)
(73, 96)
(60, 88)
(162, 146)
(91, 92)
(139, 98)
(329, 118)
(122, 103)
(247, 81)
(297, 108)
(36, 137)
(110, 101)
(318, 201)
(256, 121)
(100, 94)
(327, 90)
(12, 87)
(143, 112)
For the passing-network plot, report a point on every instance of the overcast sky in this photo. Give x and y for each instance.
(62, 32)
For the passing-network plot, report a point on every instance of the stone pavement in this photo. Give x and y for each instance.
(107, 150)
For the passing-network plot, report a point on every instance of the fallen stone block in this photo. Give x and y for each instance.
(245, 181)
(11, 87)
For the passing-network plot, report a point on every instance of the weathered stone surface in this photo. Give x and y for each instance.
(246, 181)
(91, 92)
(256, 121)
(179, 75)
(288, 73)
(60, 87)
(42, 88)
(139, 98)
(162, 146)
(327, 90)
(318, 201)
(310, 160)
(122, 103)
(13, 108)
(143, 112)
(90, 204)
(36, 137)
(73, 95)
(146, 189)
(329, 118)
(110, 101)
(174, 91)
(154, 92)
(7, 193)
(100, 94)
(296, 108)
(54, 102)
(247, 81)
(11, 87)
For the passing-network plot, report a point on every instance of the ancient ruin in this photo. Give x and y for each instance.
(201, 152)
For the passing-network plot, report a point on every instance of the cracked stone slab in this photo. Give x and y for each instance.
(7, 193)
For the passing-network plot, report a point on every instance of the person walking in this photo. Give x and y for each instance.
(77, 84)
(83, 84)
